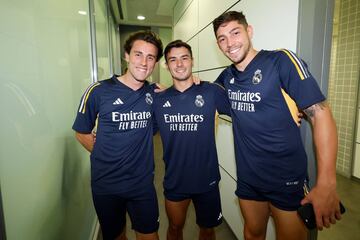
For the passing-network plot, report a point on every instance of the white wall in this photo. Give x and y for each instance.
(272, 29)
(164, 75)
(45, 67)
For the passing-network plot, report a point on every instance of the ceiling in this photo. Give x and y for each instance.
(157, 12)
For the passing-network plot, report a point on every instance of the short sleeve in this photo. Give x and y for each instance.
(297, 81)
(88, 110)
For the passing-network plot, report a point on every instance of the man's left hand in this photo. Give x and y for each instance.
(326, 205)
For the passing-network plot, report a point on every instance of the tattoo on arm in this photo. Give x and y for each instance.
(311, 111)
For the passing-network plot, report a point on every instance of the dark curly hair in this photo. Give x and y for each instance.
(147, 36)
(228, 17)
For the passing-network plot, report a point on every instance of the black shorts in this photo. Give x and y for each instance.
(207, 206)
(141, 205)
(284, 200)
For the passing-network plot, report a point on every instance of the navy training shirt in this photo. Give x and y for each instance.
(122, 159)
(186, 123)
(268, 147)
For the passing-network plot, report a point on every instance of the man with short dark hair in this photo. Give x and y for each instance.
(270, 157)
(185, 115)
(122, 161)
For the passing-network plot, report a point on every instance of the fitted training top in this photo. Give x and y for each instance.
(268, 147)
(122, 159)
(186, 124)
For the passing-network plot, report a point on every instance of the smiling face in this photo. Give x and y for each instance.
(179, 63)
(141, 60)
(234, 40)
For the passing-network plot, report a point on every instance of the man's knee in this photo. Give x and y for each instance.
(254, 233)
(175, 231)
(176, 227)
(207, 234)
(122, 235)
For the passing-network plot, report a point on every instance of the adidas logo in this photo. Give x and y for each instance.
(118, 102)
(167, 104)
(232, 81)
(220, 216)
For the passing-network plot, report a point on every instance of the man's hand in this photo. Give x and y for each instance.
(326, 205)
(196, 80)
(300, 117)
(159, 88)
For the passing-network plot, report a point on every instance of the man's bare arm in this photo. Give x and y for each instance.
(86, 139)
(324, 196)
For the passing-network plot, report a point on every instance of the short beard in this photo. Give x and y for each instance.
(243, 57)
(238, 62)
(140, 80)
(182, 79)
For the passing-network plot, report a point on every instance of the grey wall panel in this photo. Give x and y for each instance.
(232, 210)
(180, 8)
(275, 23)
(314, 47)
(187, 26)
(210, 75)
(209, 54)
(209, 9)
(194, 43)
(225, 147)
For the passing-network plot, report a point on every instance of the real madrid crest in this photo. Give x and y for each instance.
(257, 77)
(199, 101)
(148, 98)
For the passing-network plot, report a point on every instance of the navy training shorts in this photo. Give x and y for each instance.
(284, 200)
(141, 205)
(207, 206)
